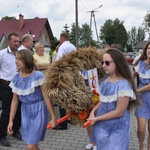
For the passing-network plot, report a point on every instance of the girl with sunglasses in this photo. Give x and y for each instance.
(142, 69)
(111, 117)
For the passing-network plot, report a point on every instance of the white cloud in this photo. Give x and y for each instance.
(61, 12)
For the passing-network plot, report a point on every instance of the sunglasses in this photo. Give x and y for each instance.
(107, 63)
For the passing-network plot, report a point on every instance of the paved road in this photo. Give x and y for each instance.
(75, 138)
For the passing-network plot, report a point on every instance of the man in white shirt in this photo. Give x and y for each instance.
(26, 42)
(8, 70)
(65, 48)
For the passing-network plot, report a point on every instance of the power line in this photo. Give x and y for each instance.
(83, 5)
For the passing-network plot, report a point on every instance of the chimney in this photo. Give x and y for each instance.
(20, 21)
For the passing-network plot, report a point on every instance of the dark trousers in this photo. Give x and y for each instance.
(6, 97)
(62, 114)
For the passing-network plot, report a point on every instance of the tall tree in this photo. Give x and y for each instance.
(146, 22)
(66, 29)
(113, 32)
(84, 35)
(140, 34)
(54, 43)
(135, 35)
(132, 36)
(8, 18)
(73, 33)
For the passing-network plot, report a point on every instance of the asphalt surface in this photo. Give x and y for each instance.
(74, 138)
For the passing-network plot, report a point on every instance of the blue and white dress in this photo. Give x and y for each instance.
(113, 134)
(33, 108)
(143, 70)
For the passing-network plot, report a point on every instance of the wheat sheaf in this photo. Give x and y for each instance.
(66, 86)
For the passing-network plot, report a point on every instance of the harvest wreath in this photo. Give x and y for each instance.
(66, 86)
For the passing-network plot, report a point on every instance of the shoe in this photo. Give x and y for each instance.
(5, 142)
(59, 127)
(94, 148)
(89, 146)
(17, 135)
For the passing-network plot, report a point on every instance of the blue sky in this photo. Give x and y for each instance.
(61, 12)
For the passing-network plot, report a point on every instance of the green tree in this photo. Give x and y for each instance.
(107, 32)
(140, 34)
(132, 36)
(8, 18)
(54, 43)
(84, 35)
(135, 35)
(113, 33)
(146, 21)
(66, 29)
(73, 33)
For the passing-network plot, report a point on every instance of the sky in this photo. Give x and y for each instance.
(61, 12)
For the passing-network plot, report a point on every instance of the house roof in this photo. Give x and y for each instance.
(35, 25)
(141, 44)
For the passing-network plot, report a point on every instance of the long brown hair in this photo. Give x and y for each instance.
(27, 57)
(122, 69)
(144, 55)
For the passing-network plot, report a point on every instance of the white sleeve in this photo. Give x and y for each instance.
(60, 53)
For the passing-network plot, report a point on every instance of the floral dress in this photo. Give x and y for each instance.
(113, 134)
(33, 108)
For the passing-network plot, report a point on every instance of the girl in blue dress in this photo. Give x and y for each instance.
(28, 87)
(142, 69)
(110, 117)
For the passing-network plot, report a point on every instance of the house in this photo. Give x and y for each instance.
(3, 41)
(39, 28)
(140, 45)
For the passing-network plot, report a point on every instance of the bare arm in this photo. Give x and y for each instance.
(144, 88)
(96, 107)
(14, 106)
(43, 68)
(93, 112)
(49, 105)
(122, 104)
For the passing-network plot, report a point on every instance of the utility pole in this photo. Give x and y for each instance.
(76, 12)
(93, 16)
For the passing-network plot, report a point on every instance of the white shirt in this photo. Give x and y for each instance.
(8, 67)
(21, 48)
(65, 48)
